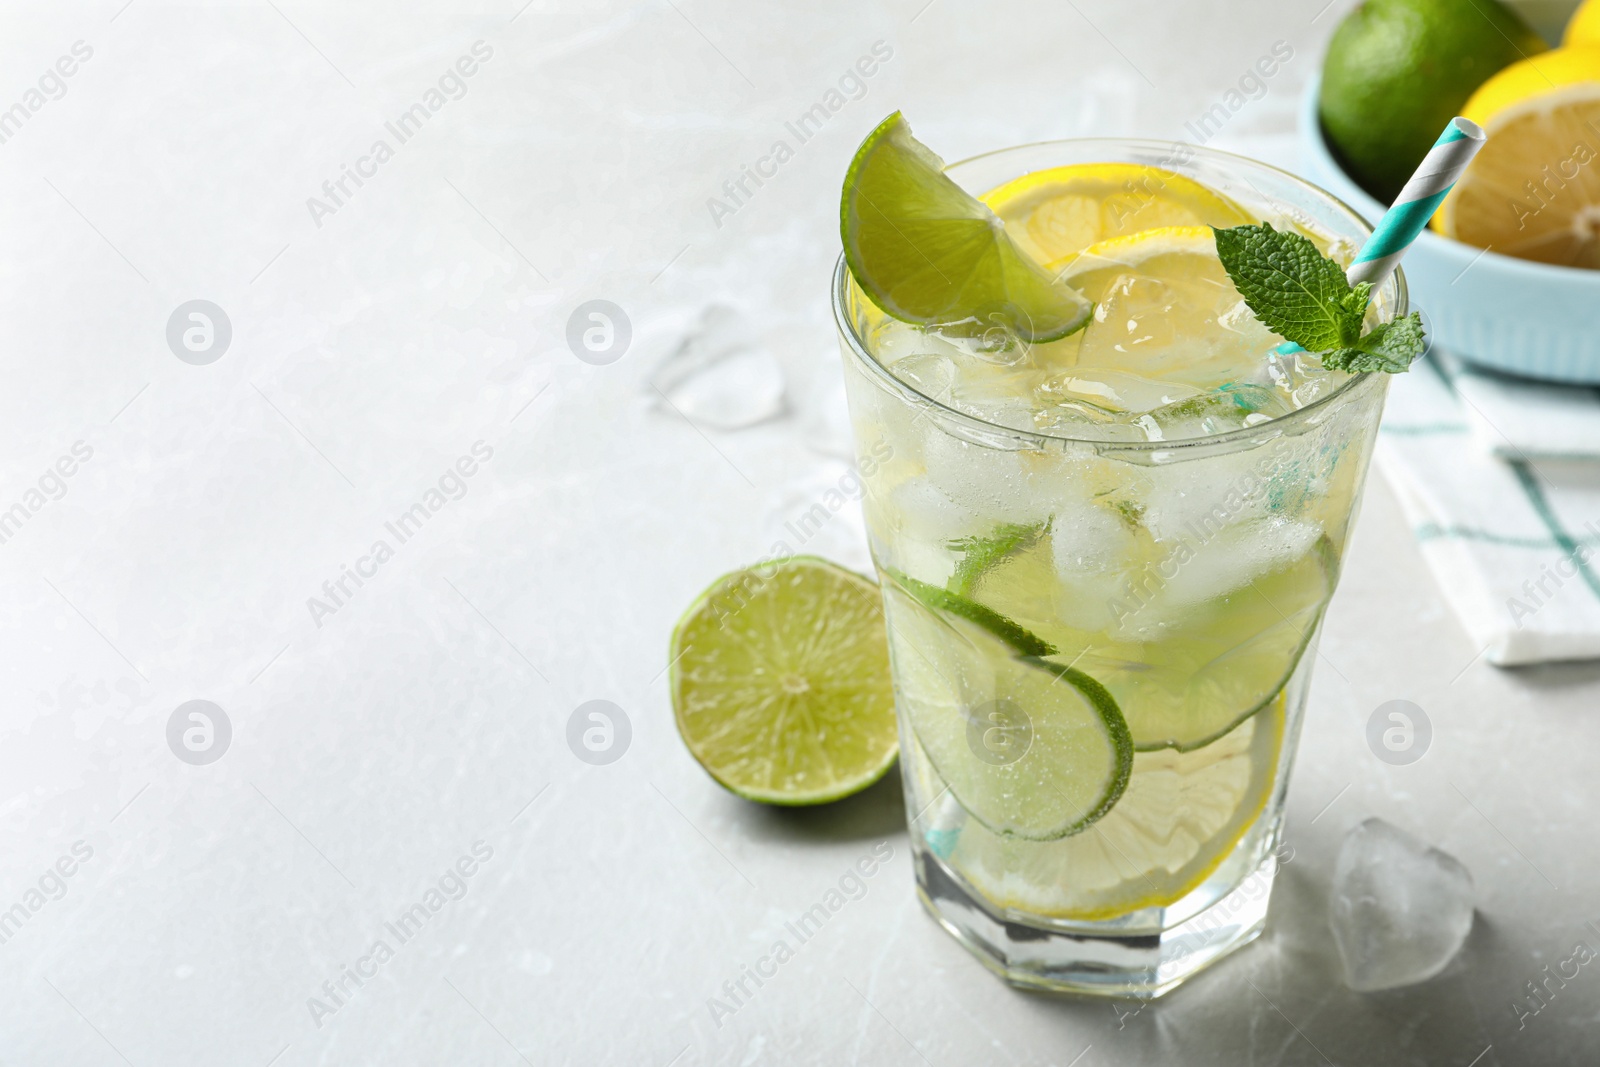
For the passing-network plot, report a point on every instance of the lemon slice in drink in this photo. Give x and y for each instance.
(928, 252)
(1534, 189)
(1165, 307)
(1177, 252)
(1031, 749)
(1179, 818)
(780, 682)
(1056, 212)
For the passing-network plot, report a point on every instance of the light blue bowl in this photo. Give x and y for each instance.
(1513, 315)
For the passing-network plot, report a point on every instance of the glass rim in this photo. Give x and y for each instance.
(846, 328)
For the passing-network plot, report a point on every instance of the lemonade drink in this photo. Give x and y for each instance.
(1104, 559)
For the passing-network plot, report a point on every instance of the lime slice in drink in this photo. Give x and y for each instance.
(927, 252)
(1019, 641)
(1181, 816)
(780, 682)
(1182, 673)
(978, 554)
(1029, 748)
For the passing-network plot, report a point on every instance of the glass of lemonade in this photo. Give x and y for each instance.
(1104, 562)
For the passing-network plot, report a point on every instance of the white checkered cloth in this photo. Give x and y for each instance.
(1501, 483)
(1519, 419)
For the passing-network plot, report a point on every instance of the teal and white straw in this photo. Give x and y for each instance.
(1424, 191)
(1417, 202)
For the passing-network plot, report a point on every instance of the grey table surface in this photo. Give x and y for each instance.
(405, 742)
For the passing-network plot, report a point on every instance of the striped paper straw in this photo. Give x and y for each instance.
(1417, 202)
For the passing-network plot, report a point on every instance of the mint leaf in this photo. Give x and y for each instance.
(1303, 296)
(1353, 309)
(1389, 347)
(1297, 292)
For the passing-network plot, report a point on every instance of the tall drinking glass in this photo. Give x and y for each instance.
(1032, 581)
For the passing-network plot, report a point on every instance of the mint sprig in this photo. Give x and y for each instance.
(1303, 296)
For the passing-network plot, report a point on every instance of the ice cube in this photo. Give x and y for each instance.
(1091, 537)
(1180, 505)
(1240, 319)
(921, 522)
(1093, 544)
(1204, 567)
(1399, 910)
(719, 377)
(932, 374)
(1227, 407)
(928, 515)
(1105, 389)
(1188, 330)
(1004, 485)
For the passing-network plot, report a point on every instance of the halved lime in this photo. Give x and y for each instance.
(928, 252)
(780, 682)
(1031, 749)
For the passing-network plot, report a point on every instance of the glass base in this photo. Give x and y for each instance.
(1113, 958)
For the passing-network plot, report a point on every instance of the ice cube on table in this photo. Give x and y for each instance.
(1399, 909)
(719, 376)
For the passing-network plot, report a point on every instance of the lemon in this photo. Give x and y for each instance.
(1171, 250)
(1053, 213)
(1398, 70)
(1584, 27)
(1534, 189)
(780, 683)
(1030, 749)
(1165, 308)
(928, 252)
(1181, 815)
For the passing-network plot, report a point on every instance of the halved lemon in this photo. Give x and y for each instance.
(1056, 212)
(1534, 189)
(1584, 26)
(1180, 816)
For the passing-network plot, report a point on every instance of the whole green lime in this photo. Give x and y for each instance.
(1398, 70)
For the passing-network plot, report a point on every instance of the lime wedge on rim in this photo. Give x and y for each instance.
(1031, 749)
(928, 252)
(780, 682)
